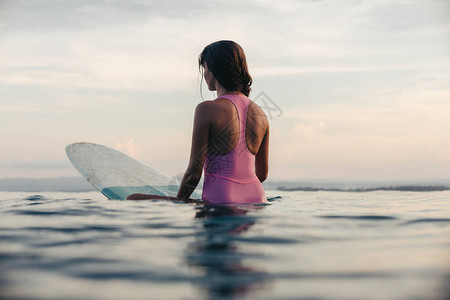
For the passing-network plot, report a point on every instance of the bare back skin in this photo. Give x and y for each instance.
(224, 130)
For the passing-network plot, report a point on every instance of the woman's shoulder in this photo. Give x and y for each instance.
(205, 105)
(206, 108)
(255, 110)
(213, 105)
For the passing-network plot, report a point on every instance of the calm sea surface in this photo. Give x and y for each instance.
(320, 245)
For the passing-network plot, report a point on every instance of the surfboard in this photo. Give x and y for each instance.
(116, 175)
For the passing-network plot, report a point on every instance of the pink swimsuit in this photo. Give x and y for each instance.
(230, 178)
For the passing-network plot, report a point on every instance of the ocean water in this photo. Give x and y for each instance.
(304, 245)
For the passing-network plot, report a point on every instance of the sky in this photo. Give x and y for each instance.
(353, 89)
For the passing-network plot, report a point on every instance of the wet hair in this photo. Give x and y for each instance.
(226, 60)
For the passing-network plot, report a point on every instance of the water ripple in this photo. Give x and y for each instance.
(428, 220)
(35, 198)
(353, 246)
(366, 217)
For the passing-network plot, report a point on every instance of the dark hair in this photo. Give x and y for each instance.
(226, 60)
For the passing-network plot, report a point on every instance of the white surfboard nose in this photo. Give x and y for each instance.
(116, 174)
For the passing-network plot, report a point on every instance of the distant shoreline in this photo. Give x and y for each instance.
(57, 184)
(401, 188)
(78, 184)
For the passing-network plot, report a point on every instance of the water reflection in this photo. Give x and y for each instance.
(225, 268)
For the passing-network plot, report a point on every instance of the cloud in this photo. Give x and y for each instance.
(137, 44)
(129, 147)
(344, 140)
(48, 165)
(355, 79)
(85, 15)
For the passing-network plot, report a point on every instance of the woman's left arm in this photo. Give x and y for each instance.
(199, 148)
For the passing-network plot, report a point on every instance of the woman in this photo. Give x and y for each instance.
(230, 136)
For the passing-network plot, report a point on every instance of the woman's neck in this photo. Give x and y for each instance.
(223, 91)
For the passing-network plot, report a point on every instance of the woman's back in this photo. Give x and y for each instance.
(224, 130)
